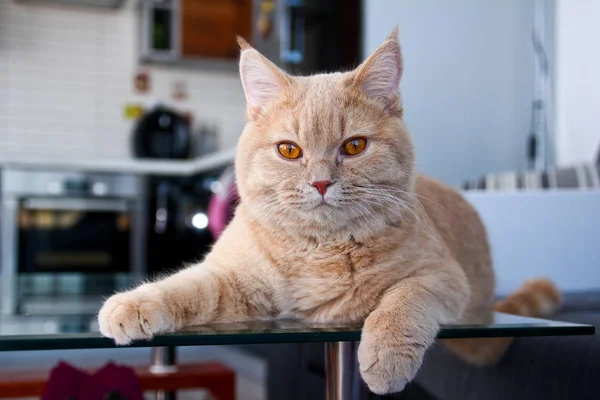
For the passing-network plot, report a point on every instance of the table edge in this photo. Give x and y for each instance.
(96, 341)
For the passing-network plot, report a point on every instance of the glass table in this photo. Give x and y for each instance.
(22, 333)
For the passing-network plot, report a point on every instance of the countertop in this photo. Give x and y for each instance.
(131, 166)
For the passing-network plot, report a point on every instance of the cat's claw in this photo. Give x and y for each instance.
(134, 315)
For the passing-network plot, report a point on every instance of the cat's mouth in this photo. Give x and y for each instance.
(321, 203)
(324, 203)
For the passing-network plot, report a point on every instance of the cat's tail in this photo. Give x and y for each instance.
(535, 298)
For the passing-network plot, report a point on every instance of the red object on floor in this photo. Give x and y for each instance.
(109, 382)
(217, 378)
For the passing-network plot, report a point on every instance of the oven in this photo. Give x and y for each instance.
(68, 239)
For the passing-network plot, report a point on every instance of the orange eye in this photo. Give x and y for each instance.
(354, 147)
(289, 150)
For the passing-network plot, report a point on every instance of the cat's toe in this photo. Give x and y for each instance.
(380, 382)
(132, 316)
(386, 370)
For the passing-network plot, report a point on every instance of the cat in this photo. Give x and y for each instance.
(334, 225)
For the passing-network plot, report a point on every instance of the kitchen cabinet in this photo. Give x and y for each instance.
(302, 37)
(189, 31)
(209, 27)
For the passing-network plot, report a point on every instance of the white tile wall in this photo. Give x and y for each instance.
(66, 74)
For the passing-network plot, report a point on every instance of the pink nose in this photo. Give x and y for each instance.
(321, 186)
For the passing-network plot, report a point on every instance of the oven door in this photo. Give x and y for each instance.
(81, 235)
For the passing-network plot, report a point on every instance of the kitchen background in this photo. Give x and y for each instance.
(67, 76)
(118, 121)
(87, 156)
(69, 72)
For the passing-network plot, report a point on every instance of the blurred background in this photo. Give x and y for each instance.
(119, 120)
(75, 74)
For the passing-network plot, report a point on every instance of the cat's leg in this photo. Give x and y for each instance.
(197, 295)
(398, 332)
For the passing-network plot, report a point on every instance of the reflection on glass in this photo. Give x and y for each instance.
(81, 331)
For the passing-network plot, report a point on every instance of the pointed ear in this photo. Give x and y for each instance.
(261, 79)
(379, 75)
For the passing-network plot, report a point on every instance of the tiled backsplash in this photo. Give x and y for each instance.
(66, 74)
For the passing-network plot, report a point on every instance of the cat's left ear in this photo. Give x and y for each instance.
(379, 75)
(262, 80)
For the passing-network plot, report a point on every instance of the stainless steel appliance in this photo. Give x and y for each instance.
(68, 239)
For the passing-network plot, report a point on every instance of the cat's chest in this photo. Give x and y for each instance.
(335, 260)
(333, 283)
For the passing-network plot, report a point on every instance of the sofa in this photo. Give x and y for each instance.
(540, 223)
(533, 368)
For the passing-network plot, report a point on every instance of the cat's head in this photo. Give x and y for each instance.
(325, 154)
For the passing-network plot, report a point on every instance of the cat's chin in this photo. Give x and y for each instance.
(322, 211)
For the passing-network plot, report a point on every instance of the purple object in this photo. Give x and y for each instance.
(111, 381)
(222, 204)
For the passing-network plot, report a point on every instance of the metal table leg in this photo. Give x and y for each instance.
(342, 381)
(163, 362)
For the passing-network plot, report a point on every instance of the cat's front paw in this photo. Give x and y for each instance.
(388, 364)
(134, 315)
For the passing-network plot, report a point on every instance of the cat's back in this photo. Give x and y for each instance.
(462, 229)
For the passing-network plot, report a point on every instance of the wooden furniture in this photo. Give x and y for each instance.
(209, 27)
(217, 378)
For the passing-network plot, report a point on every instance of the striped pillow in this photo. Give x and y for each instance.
(584, 176)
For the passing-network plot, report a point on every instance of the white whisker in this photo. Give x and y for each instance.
(414, 195)
(388, 201)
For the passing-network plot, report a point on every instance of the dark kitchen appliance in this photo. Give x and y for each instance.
(179, 230)
(68, 239)
(162, 133)
(310, 36)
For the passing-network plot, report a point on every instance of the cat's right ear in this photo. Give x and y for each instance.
(379, 75)
(263, 82)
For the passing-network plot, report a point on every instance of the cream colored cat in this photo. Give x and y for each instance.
(335, 226)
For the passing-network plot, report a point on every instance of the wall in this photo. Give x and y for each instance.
(577, 80)
(468, 81)
(66, 74)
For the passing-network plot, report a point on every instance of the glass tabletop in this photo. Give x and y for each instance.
(81, 332)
